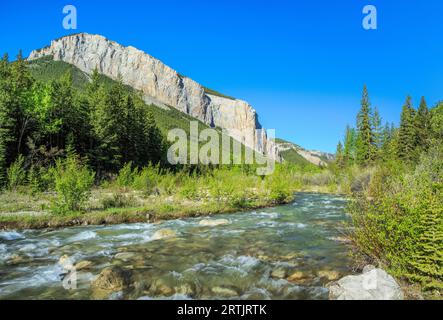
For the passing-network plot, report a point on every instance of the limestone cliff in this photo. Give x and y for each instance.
(160, 85)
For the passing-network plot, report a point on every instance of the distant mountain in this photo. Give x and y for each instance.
(293, 153)
(160, 85)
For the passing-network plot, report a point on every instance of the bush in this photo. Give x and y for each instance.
(16, 173)
(399, 221)
(125, 176)
(73, 182)
(118, 200)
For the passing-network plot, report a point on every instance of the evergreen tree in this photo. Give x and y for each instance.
(423, 126)
(339, 157)
(365, 137)
(407, 133)
(349, 148)
(378, 132)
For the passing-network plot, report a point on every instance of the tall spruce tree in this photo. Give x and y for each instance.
(407, 137)
(423, 126)
(365, 136)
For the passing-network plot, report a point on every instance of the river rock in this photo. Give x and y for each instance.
(213, 223)
(374, 284)
(124, 256)
(278, 273)
(65, 261)
(300, 277)
(163, 234)
(224, 292)
(330, 275)
(83, 265)
(112, 279)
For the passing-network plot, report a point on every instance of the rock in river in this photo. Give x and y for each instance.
(112, 279)
(83, 265)
(213, 223)
(373, 284)
(163, 234)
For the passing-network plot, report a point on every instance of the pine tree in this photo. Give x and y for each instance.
(349, 148)
(339, 157)
(365, 137)
(378, 132)
(423, 126)
(407, 138)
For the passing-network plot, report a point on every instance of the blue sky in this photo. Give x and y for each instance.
(301, 64)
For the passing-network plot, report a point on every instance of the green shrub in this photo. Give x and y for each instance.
(118, 200)
(126, 175)
(73, 182)
(399, 220)
(16, 173)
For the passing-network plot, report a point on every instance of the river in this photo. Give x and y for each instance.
(251, 257)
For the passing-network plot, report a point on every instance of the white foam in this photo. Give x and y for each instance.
(11, 235)
(85, 235)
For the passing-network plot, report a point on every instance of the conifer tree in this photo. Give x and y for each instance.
(365, 137)
(423, 126)
(407, 133)
(339, 157)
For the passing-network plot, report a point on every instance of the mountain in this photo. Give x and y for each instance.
(295, 154)
(160, 85)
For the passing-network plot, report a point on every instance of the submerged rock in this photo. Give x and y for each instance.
(65, 261)
(83, 265)
(124, 256)
(373, 284)
(164, 234)
(330, 275)
(300, 277)
(213, 223)
(278, 273)
(112, 279)
(224, 292)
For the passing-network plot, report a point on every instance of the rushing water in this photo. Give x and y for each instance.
(250, 258)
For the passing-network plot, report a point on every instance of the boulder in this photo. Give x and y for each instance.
(112, 279)
(213, 223)
(373, 284)
(163, 234)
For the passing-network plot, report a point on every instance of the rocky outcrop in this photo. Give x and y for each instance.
(315, 157)
(373, 284)
(160, 85)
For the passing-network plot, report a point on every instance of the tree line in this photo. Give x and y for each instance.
(371, 141)
(106, 126)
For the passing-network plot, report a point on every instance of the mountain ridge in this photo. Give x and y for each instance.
(160, 84)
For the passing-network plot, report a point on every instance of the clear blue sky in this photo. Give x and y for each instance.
(301, 64)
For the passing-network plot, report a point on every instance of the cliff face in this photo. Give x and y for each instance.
(315, 157)
(160, 83)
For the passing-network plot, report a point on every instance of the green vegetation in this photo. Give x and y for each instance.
(395, 177)
(86, 149)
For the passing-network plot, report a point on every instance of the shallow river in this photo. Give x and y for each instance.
(286, 252)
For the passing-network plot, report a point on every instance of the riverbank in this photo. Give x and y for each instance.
(26, 212)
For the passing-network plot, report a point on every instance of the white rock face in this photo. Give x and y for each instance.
(313, 156)
(160, 85)
(373, 284)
